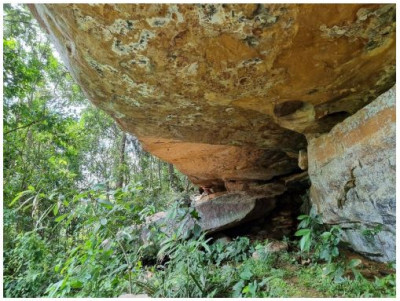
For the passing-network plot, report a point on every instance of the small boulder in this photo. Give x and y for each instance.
(231, 209)
(223, 239)
(303, 160)
(271, 247)
(276, 246)
(256, 255)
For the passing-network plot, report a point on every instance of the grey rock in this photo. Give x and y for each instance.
(224, 211)
(222, 239)
(276, 246)
(353, 174)
(270, 248)
(256, 255)
(231, 209)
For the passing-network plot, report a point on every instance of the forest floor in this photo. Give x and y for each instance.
(369, 269)
(301, 276)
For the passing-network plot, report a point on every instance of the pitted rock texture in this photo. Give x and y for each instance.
(215, 82)
(353, 174)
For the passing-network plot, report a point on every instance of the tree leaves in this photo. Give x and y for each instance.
(354, 263)
(60, 160)
(19, 196)
(305, 242)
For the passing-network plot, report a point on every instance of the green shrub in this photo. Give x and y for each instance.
(323, 244)
(28, 267)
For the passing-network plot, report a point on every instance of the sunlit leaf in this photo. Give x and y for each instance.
(55, 208)
(302, 232)
(61, 217)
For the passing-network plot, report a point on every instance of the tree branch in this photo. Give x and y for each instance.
(18, 21)
(23, 126)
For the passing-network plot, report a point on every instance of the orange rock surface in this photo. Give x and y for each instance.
(230, 91)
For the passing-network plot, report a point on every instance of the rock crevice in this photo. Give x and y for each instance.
(354, 180)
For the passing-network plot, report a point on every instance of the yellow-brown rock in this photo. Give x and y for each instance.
(226, 92)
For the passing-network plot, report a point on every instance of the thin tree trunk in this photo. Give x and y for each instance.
(172, 177)
(151, 171)
(159, 173)
(120, 181)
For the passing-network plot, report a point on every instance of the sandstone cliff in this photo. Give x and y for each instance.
(230, 94)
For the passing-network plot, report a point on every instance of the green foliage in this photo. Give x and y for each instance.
(328, 245)
(309, 227)
(259, 279)
(324, 244)
(317, 277)
(28, 269)
(235, 251)
(371, 233)
(61, 164)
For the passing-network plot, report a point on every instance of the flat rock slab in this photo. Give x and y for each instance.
(222, 212)
(231, 209)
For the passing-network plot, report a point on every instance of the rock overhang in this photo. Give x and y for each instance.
(226, 92)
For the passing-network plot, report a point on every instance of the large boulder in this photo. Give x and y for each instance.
(226, 91)
(353, 175)
(231, 209)
(222, 211)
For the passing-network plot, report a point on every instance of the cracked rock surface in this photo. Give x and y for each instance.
(353, 174)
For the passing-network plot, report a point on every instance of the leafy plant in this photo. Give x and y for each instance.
(309, 227)
(237, 251)
(324, 244)
(77, 191)
(371, 233)
(327, 248)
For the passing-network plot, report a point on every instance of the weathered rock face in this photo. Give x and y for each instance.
(226, 92)
(353, 175)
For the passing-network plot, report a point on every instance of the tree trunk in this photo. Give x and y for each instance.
(151, 170)
(120, 181)
(159, 174)
(172, 177)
